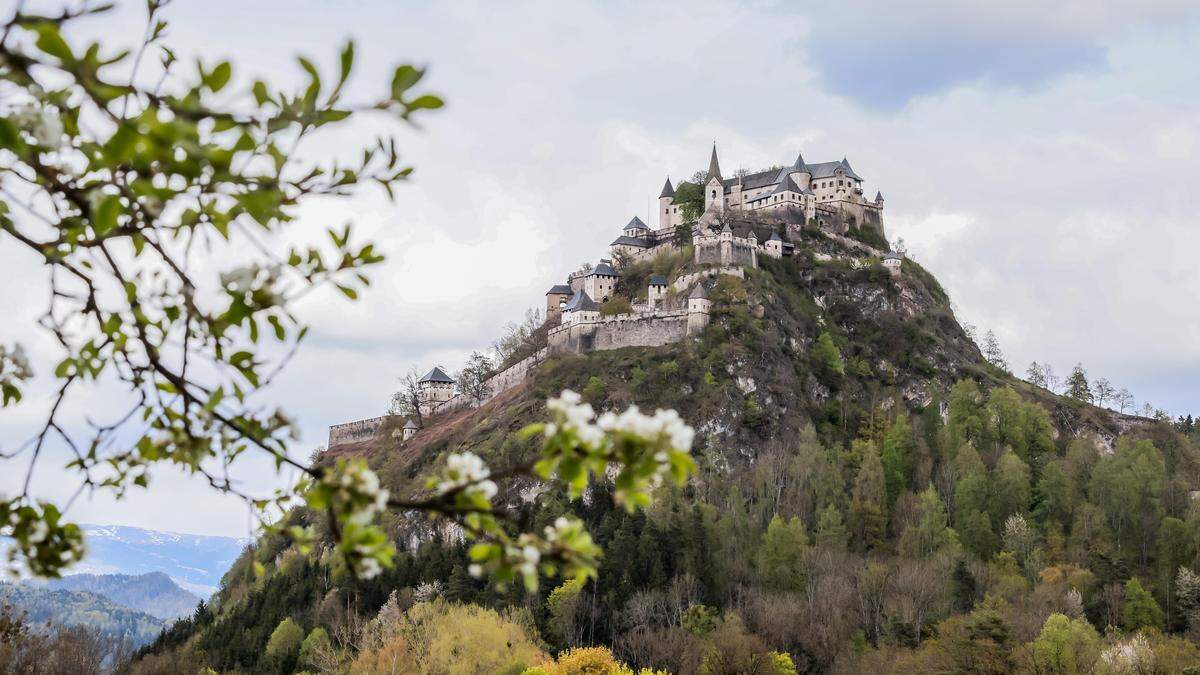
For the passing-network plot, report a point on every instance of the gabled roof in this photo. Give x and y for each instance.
(411, 425)
(658, 280)
(635, 224)
(437, 375)
(786, 185)
(827, 169)
(714, 168)
(667, 190)
(630, 241)
(559, 289)
(699, 292)
(581, 302)
(603, 270)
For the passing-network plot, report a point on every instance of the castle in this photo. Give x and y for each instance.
(828, 195)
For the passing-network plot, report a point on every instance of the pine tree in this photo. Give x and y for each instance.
(897, 457)
(1077, 385)
(827, 356)
(831, 530)
(781, 555)
(868, 518)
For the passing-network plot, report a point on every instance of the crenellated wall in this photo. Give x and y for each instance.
(351, 432)
(623, 330)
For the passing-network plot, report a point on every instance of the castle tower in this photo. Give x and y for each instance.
(698, 306)
(664, 205)
(714, 185)
(410, 430)
(434, 389)
(800, 172)
(656, 291)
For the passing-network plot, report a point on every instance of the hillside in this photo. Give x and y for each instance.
(58, 608)
(195, 562)
(153, 593)
(872, 496)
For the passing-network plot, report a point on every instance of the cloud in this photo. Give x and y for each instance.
(883, 55)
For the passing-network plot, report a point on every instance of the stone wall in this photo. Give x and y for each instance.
(685, 281)
(622, 330)
(351, 432)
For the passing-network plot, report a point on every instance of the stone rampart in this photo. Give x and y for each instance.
(351, 432)
(685, 281)
(622, 330)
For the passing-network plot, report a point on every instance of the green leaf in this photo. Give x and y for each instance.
(50, 41)
(348, 292)
(261, 96)
(403, 79)
(347, 61)
(104, 217)
(426, 102)
(219, 76)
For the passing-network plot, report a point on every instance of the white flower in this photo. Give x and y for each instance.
(369, 568)
(475, 570)
(39, 533)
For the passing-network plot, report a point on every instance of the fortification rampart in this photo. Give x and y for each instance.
(622, 330)
(351, 432)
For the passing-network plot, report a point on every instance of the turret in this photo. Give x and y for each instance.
(714, 185)
(664, 205)
(435, 388)
(879, 199)
(800, 173)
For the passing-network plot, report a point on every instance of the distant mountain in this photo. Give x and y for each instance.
(153, 593)
(194, 562)
(62, 608)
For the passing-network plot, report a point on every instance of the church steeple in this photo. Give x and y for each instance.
(714, 168)
(667, 190)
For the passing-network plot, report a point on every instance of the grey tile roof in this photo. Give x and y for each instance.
(714, 168)
(698, 292)
(635, 224)
(892, 255)
(437, 375)
(774, 237)
(559, 289)
(603, 270)
(411, 425)
(799, 164)
(658, 280)
(667, 190)
(630, 241)
(878, 196)
(581, 302)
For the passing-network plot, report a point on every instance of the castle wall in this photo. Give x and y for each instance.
(686, 280)
(351, 432)
(622, 330)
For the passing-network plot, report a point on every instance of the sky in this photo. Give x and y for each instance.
(1040, 161)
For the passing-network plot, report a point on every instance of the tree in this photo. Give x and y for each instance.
(519, 340)
(782, 553)
(1065, 646)
(1077, 385)
(1035, 376)
(563, 607)
(407, 399)
(831, 531)
(283, 648)
(1052, 380)
(1124, 400)
(827, 356)
(1139, 610)
(868, 515)
(1187, 592)
(472, 380)
(1010, 487)
(992, 351)
(314, 647)
(928, 533)
(122, 190)
(897, 457)
(1104, 391)
(689, 195)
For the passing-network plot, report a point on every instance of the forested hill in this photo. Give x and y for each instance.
(872, 496)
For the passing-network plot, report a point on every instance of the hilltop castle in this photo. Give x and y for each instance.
(742, 219)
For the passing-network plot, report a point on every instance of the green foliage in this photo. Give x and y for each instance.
(615, 305)
(563, 607)
(690, 198)
(826, 357)
(1065, 646)
(595, 389)
(699, 620)
(928, 534)
(283, 648)
(897, 457)
(314, 645)
(782, 555)
(1139, 609)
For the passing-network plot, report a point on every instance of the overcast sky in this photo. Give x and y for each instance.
(1041, 162)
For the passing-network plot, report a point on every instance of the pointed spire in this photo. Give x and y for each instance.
(878, 197)
(799, 165)
(714, 168)
(667, 190)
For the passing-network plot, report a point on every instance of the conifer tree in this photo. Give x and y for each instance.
(831, 530)
(781, 556)
(929, 533)
(827, 356)
(1139, 609)
(868, 508)
(897, 457)
(1077, 385)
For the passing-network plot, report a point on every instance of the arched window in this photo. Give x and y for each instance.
(714, 194)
